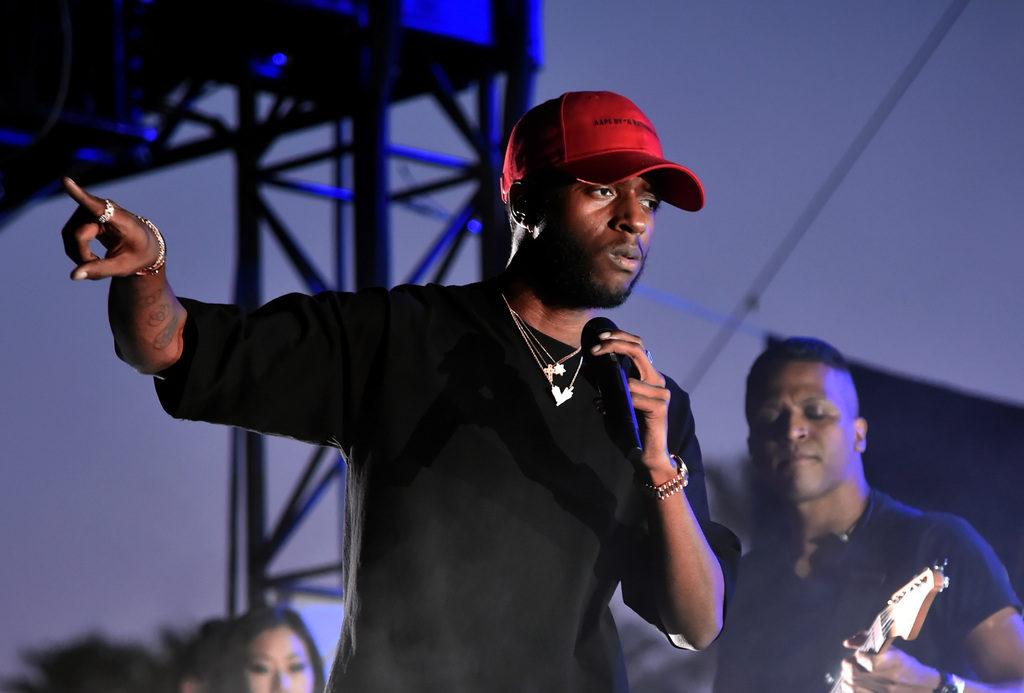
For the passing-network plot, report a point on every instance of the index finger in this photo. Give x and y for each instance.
(632, 347)
(856, 640)
(92, 204)
(608, 339)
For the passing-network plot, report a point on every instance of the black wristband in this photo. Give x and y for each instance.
(949, 683)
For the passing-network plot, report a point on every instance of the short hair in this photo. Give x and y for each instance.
(782, 352)
(540, 189)
(531, 211)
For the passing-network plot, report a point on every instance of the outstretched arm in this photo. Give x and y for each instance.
(145, 317)
(692, 599)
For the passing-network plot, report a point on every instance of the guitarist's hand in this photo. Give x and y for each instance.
(891, 671)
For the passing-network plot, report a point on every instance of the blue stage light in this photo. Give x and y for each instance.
(14, 137)
(469, 20)
(265, 69)
(94, 155)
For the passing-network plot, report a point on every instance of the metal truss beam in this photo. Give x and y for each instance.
(301, 65)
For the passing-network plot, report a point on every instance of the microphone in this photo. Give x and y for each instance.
(612, 381)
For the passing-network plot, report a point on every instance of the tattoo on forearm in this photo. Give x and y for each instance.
(159, 313)
(164, 337)
(158, 316)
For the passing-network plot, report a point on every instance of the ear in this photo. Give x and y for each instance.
(518, 203)
(860, 434)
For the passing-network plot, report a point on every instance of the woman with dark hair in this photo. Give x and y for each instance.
(270, 650)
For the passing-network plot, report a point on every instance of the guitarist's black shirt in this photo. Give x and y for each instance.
(785, 634)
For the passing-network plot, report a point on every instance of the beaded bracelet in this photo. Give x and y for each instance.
(672, 486)
(161, 256)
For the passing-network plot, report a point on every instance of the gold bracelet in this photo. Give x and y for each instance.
(674, 485)
(161, 256)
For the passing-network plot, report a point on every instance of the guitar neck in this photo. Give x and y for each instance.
(878, 639)
(903, 616)
(879, 635)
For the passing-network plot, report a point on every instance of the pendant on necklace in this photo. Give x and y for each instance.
(561, 396)
(553, 370)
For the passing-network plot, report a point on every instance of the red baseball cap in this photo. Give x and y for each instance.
(597, 137)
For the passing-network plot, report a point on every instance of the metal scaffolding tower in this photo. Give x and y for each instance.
(116, 88)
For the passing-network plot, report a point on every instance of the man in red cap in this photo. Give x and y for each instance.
(493, 510)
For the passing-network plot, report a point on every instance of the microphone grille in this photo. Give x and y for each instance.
(594, 327)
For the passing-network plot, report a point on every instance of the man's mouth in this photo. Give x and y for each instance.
(794, 457)
(628, 257)
(630, 252)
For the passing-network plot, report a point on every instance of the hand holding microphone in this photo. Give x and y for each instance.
(615, 356)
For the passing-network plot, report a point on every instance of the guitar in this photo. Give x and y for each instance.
(903, 615)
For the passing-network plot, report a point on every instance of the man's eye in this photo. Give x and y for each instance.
(652, 204)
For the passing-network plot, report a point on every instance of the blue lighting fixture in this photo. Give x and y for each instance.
(15, 137)
(270, 67)
(468, 20)
(94, 155)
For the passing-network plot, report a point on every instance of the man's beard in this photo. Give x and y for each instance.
(562, 272)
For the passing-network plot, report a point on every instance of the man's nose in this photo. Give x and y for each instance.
(797, 428)
(633, 216)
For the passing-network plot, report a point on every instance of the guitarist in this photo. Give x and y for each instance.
(834, 550)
